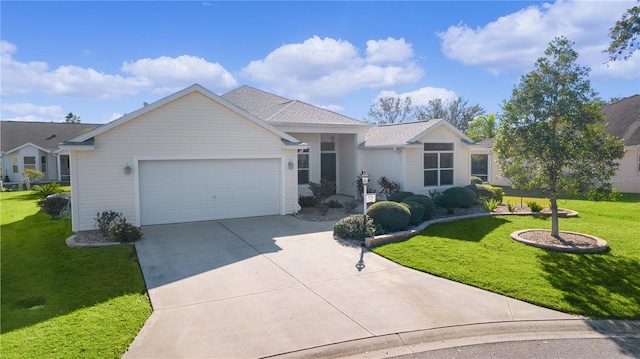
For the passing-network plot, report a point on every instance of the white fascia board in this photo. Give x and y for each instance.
(74, 147)
(27, 145)
(172, 97)
(295, 146)
(442, 123)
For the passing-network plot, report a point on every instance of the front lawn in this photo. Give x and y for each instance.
(480, 253)
(59, 301)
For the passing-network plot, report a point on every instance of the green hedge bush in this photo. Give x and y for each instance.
(458, 197)
(399, 196)
(426, 202)
(351, 228)
(417, 212)
(475, 180)
(498, 193)
(53, 205)
(481, 191)
(390, 216)
(307, 201)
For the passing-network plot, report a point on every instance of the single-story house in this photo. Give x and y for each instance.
(623, 119)
(35, 145)
(195, 156)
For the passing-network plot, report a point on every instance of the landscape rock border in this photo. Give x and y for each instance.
(600, 244)
(71, 242)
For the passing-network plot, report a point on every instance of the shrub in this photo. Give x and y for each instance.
(54, 205)
(387, 186)
(426, 202)
(322, 190)
(352, 227)
(498, 193)
(399, 196)
(458, 197)
(481, 192)
(307, 201)
(390, 216)
(416, 210)
(106, 220)
(334, 204)
(511, 207)
(123, 232)
(490, 204)
(45, 190)
(350, 206)
(475, 180)
(534, 206)
(33, 175)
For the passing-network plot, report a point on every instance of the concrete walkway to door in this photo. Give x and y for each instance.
(258, 287)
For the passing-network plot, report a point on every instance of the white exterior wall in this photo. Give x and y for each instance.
(190, 127)
(313, 140)
(627, 178)
(383, 162)
(27, 151)
(347, 169)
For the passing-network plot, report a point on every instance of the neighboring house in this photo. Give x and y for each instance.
(623, 118)
(35, 145)
(196, 156)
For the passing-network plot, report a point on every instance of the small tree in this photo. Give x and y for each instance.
(32, 176)
(552, 135)
(71, 118)
(390, 110)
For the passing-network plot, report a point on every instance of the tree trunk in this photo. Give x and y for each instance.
(554, 216)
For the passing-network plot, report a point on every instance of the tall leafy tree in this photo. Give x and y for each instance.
(390, 110)
(625, 35)
(71, 118)
(552, 136)
(457, 112)
(483, 127)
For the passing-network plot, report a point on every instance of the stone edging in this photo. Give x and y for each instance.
(398, 236)
(601, 244)
(71, 242)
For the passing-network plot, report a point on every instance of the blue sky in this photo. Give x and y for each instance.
(101, 60)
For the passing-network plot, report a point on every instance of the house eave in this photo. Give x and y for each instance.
(87, 145)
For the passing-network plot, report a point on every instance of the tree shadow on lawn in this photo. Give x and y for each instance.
(598, 286)
(42, 278)
(466, 230)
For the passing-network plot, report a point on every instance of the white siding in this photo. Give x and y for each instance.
(383, 162)
(192, 126)
(627, 178)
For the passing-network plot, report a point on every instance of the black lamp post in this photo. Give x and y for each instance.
(365, 181)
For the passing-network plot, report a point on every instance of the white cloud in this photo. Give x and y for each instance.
(422, 96)
(389, 50)
(517, 40)
(161, 75)
(320, 70)
(31, 112)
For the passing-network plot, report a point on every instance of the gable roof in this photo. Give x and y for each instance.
(45, 135)
(287, 139)
(624, 119)
(280, 110)
(406, 133)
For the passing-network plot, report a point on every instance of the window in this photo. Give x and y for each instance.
(29, 162)
(14, 163)
(43, 164)
(438, 164)
(327, 146)
(480, 166)
(303, 166)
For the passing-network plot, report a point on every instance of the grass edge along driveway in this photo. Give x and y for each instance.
(59, 301)
(480, 252)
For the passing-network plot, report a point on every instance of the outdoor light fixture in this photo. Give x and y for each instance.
(365, 180)
(290, 164)
(127, 169)
(332, 138)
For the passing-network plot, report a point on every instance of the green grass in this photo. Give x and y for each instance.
(63, 302)
(480, 253)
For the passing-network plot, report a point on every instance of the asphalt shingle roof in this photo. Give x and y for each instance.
(396, 134)
(624, 119)
(277, 109)
(43, 134)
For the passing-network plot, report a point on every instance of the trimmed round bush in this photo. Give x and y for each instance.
(399, 196)
(390, 216)
(481, 192)
(53, 205)
(350, 228)
(426, 202)
(417, 211)
(307, 201)
(497, 192)
(458, 197)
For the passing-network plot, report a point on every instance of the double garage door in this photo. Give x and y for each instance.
(199, 190)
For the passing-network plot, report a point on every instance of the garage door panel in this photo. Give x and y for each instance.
(198, 190)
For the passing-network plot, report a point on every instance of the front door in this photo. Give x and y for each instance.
(328, 166)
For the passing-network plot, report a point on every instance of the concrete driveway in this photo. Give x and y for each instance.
(258, 287)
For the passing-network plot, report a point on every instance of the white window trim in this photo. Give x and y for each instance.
(306, 152)
(438, 169)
